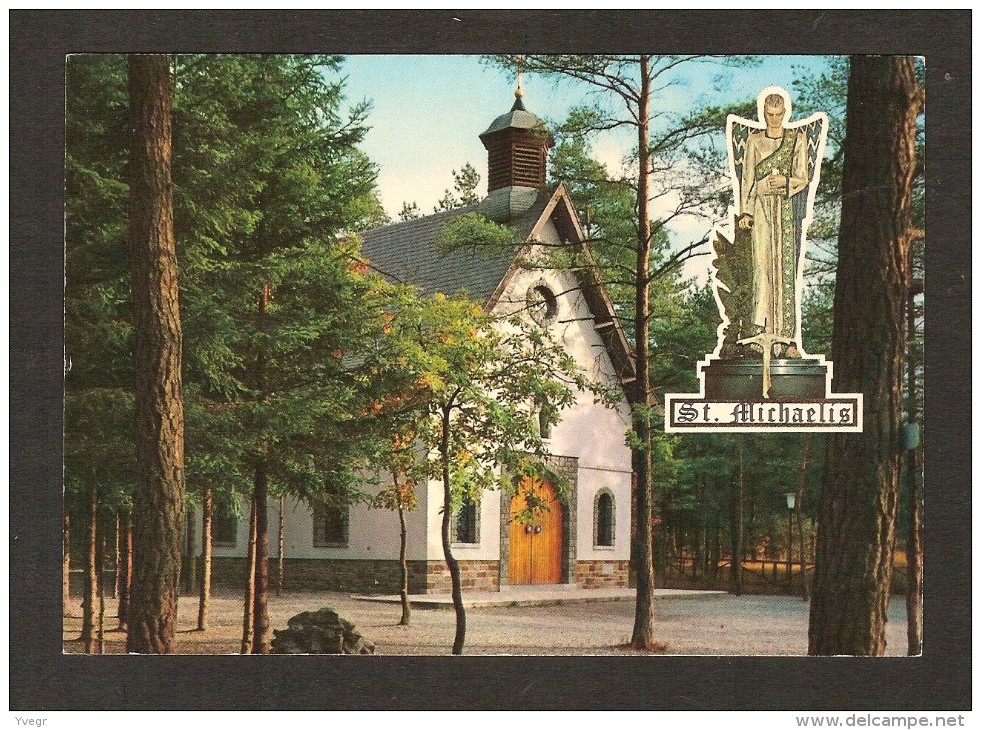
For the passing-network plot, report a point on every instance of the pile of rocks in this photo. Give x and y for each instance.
(320, 632)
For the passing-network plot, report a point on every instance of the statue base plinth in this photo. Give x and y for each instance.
(800, 399)
(742, 380)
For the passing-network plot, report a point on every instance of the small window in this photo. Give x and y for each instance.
(224, 526)
(604, 520)
(466, 525)
(542, 304)
(330, 526)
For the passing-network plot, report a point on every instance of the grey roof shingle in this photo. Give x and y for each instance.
(410, 251)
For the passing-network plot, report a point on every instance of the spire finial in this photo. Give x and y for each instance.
(519, 91)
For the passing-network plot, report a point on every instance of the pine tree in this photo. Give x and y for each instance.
(159, 494)
(629, 84)
(279, 307)
(860, 489)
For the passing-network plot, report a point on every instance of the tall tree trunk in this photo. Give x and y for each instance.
(404, 569)
(451, 564)
(716, 545)
(260, 499)
(91, 589)
(260, 640)
(126, 566)
(190, 559)
(698, 540)
(280, 556)
(159, 495)
(914, 536)
(101, 583)
(207, 506)
(860, 488)
(643, 632)
(801, 486)
(117, 557)
(66, 568)
(737, 533)
(248, 615)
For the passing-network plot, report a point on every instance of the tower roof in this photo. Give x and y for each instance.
(517, 118)
(516, 144)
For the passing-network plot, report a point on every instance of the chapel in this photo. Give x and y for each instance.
(584, 537)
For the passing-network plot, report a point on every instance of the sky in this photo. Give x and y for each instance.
(427, 113)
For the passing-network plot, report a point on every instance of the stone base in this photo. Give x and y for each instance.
(602, 573)
(383, 577)
(363, 576)
(475, 575)
(742, 380)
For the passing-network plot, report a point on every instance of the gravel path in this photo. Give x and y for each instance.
(713, 625)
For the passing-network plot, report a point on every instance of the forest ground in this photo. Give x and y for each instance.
(713, 624)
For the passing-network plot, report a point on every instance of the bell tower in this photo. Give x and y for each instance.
(516, 145)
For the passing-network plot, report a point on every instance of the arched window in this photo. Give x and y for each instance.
(466, 526)
(224, 524)
(604, 519)
(330, 524)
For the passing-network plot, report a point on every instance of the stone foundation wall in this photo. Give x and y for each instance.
(382, 576)
(363, 576)
(355, 576)
(602, 573)
(475, 575)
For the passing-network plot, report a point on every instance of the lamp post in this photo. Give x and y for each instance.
(791, 504)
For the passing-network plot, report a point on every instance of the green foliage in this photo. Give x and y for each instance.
(477, 232)
(490, 388)
(99, 406)
(99, 449)
(279, 315)
(278, 311)
(464, 190)
(409, 211)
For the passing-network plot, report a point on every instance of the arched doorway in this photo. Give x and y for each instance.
(536, 548)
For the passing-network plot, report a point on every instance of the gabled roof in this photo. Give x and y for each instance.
(410, 252)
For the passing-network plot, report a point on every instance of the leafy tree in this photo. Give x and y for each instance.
(860, 489)
(405, 466)
(392, 442)
(480, 389)
(663, 168)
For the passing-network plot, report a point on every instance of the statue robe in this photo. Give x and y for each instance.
(776, 230)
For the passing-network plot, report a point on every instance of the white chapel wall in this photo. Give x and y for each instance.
(372, 533)
(590, 431)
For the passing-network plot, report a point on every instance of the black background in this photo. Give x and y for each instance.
(41, 677)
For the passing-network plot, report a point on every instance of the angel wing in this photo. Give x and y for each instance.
(740, 133)
(813, 132)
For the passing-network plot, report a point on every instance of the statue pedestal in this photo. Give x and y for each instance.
(742, 380)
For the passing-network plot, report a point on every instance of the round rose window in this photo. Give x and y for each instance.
(542, 304)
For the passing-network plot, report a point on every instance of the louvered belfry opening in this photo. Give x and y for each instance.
(515, 158)
(516, 145)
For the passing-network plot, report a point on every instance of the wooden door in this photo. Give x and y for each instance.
(536, 547)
